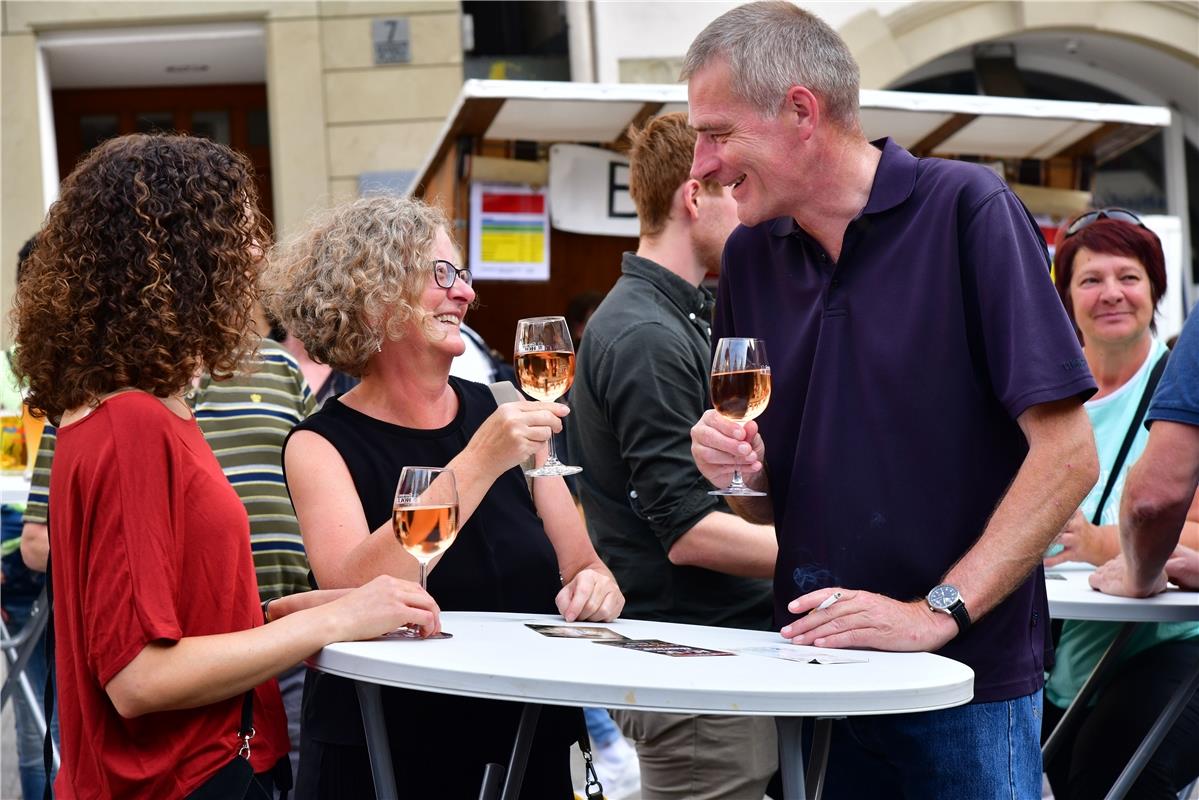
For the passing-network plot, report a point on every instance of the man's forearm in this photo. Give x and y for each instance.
(1159, 490)
(725, 543)
(1059, 470)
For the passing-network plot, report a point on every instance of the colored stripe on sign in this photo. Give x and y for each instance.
(514, 203)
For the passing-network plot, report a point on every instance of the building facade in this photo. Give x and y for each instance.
(332, 99)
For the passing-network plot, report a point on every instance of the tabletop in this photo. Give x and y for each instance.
(13, 489)
(1071, 597)
(497, 656)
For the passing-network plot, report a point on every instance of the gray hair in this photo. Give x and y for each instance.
(774, 45)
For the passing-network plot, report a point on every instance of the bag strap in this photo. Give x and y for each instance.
(48, 697)
(592, 789)
(246, 731)
(1133, 429)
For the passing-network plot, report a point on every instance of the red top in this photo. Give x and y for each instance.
(150, 544)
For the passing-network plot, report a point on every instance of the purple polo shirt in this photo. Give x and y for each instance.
(898, 374)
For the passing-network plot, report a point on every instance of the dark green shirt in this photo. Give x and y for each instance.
(640, 384)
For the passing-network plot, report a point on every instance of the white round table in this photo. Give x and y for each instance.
(496, 656)
(1071, 597)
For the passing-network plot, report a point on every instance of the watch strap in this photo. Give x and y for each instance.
(960, 615)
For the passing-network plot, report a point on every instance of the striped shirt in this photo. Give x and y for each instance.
(244, 420)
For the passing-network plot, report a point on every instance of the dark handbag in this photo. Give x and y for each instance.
(235, 780)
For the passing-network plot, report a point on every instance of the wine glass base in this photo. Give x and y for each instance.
(408, 634)
(550, 471)
(745, 492)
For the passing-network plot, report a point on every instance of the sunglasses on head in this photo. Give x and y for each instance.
(1091, 217)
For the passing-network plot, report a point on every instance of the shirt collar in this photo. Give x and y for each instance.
(894, 181)
(690, 299)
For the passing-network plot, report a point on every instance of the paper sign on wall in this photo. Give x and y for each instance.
(509, 232)
(589, 191)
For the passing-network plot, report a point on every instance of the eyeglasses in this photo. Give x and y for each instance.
(445, 273)
(1091, 217)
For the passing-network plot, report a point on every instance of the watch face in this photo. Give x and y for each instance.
(943, 596)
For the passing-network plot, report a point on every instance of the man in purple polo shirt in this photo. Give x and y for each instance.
(925, 440)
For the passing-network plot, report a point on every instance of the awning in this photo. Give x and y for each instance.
(927, 124)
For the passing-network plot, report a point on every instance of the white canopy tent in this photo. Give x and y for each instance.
(927, 124)
(519, 121)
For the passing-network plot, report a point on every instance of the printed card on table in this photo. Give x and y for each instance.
(666, 648)
(591, 632)
(793, 653)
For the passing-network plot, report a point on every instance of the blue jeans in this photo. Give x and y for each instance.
(600, 727)
(982, 751)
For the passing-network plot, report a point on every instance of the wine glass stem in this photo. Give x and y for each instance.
(737, 483)
(552, 461)
(423, 576)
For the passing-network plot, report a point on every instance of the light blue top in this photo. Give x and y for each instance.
(1083, 643)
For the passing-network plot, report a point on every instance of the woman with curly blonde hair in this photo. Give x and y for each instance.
(144, 274)
(374, 288)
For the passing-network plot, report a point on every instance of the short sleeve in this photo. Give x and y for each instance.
(37, 509)
(129, 570)
(1031, 351)
(652, 394)
(1177, 395)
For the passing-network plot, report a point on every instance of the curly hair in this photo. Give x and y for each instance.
(354, 276)
(144, 272)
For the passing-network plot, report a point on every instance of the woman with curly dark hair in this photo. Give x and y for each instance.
(145, 273)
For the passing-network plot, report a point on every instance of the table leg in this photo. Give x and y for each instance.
(818, 761)
(377, 743)
(790, 731)
(1182, 696)
(520, 751)
(1070, 719)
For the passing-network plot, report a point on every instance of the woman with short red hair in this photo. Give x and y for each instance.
(1110, 272)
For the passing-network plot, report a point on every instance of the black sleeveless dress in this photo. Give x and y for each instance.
(501, 561)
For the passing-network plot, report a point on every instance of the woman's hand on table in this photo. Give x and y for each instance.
(515, 431)
(1082, 541)
(380, 606)
(1183, 568)
(1113, 578)
(591, 595)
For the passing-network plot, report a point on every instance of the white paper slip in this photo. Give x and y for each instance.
(801, 655)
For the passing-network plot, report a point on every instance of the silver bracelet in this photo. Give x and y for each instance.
(266, 608)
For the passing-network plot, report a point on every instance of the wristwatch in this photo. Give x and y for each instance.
(946, 599)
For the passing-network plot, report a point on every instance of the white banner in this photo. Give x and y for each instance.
(589, 191)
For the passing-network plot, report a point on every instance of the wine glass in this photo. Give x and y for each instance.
(740, 385)
(545, 367)
(425, 520)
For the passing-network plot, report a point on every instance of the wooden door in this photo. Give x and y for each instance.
(234, 115)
